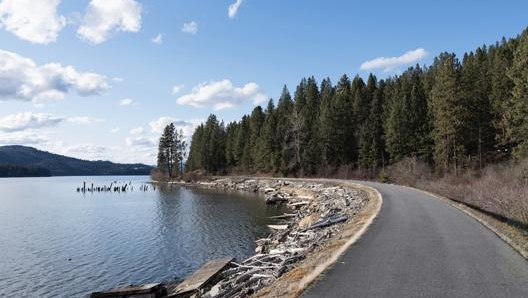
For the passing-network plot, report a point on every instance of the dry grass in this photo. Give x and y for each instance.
(498, 189)
(497, 196)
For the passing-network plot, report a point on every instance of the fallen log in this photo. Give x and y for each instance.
(278, 227)
(296, 204)
(285, 215)
(326, 222)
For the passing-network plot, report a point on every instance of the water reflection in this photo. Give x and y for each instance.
(55, 242)
(199, 225)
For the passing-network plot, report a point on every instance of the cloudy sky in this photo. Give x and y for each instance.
(99, 79)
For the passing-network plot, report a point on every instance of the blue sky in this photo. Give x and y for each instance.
(98, 79)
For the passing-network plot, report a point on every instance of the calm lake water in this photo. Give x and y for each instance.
(55, 242)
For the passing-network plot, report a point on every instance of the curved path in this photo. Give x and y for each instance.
(419, 246)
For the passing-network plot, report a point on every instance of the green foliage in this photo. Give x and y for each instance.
(448, 112)
(452, 115)
(518, 112)
(171, 151)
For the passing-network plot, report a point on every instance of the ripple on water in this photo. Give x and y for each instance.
(64, 244)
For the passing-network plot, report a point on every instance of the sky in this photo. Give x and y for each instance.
(99, 79)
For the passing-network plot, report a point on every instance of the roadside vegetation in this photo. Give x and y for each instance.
(499, 190)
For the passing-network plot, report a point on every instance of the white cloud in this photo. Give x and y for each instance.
(28, 120)
(177, 89)
(118, 79)
(22, 79)
(34, 21)
(233, 8)
(137, 131)
(85, 151)
(222, 95)
(104, 17)
(187, 126)
(390, 63)
(115, 130)
(158, 39)
(191, 27)
(135, 151)
(141, 141)
(22, 138)
(84, 120)
(157, 125)
(126, 102)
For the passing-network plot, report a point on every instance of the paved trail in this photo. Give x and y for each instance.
(421, 247)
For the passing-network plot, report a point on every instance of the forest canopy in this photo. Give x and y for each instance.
(458, 113)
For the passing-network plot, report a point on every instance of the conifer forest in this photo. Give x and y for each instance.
(459, 113)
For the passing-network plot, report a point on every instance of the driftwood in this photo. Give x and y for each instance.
(312, 220)
(326, 222)
(285, 215)
(278, 227)
(275, 255)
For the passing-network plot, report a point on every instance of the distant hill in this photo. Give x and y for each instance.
(59, 165)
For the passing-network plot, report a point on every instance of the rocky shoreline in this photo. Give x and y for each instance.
(316, 213)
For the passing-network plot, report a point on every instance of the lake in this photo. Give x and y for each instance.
(57, 242)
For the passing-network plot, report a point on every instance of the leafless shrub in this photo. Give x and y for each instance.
(194, 176)
(409, 171)
(499, 189)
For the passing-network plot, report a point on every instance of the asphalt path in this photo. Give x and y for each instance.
(420, 246)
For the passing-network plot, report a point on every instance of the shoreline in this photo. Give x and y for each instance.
(324, 218)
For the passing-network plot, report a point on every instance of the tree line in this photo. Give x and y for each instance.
(455, 114)
(18, 171)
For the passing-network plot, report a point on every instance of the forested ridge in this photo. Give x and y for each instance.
(22, 161)
(458, 113)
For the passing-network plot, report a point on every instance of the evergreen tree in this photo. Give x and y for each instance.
(447, 112)
(285, 109)
(518, 112)
(169, 155)
(342, 143)
(478, 133)
(501, 57)
(256, 121)
(310, 147)
(267, 144)
(194, 160)
(325, 124)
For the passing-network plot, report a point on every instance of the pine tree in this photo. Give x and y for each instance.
(501, 56)
(285, 109)
(518, 113)
(267, 143)
(169, 156)
(447, 112)
(325, 124)
(475, 84)
(194, 160)
(256, 121)
(342, 144)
